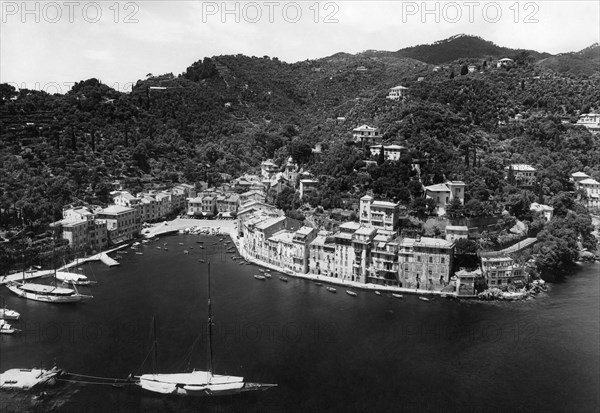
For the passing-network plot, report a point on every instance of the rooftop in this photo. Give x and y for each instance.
(365, 128)
(521, 167)
(269, 223)
(589, 181)
(116, 209)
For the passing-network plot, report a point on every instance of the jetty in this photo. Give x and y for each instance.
(107, 260)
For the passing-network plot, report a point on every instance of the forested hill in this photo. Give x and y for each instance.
(226, 114)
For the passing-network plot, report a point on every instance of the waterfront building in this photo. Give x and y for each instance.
(82, 229)
(444, 193)
(227, 204)
(397, 93)
(379, 214)
(204, 205)
(384, 269)
(280, 249)
(425, 263)
(301, 248)
(366, 135)
(361, 246)
(259, 229)
(344, 251)
(321, 259)
(464, 281)
(121, 223)
(502, 272)
(454, 232)
(525, 175)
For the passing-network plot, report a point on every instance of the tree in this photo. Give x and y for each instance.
(464, 70)
(381, 156)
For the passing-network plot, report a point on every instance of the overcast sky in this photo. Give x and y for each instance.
(48, 43)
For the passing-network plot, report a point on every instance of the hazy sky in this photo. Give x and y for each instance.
(45, 44)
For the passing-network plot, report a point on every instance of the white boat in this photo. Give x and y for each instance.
(283, 279)
(25, 379)
(331, 289)
(352, 293)
(260, 277)
(423, 298)
(397, 296)
(6, 314)
(6, 328)
(319, 284)
(377, 292)
(198, 382)
(47, 293)
(73, 278)
(267, 275)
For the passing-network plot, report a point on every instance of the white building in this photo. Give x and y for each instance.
(379, 214)
(321, 259)
(397, 93)
(390, 152)
(455, 232)
(444, 193)
(366, 135)
(591, 187)
(546, 210)
(590, 121)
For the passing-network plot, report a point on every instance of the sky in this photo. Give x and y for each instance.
(48, 45)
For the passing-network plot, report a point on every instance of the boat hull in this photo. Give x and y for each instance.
(46, 298)
(197, 384)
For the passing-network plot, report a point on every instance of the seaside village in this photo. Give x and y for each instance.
(369, 250)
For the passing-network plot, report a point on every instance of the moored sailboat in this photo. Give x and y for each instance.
(197, 382)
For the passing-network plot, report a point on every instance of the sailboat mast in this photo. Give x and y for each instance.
(155, 361)
(210, 323)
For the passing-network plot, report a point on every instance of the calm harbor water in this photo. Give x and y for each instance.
(327, 352)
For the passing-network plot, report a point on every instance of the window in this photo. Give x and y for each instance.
(443, 260)
(430, 260)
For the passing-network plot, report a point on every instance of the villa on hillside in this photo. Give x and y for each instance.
(390, 152)
(525, 175)
(590, 121)
(366, 135)
(397, 93)
(444, 193)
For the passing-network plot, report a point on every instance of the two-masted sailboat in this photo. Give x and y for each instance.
(198, 382)
(47, 293)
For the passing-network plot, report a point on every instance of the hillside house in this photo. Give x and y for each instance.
(397, 93)
(390, 152)
(366, 135)
(525, 175)
(590, 121)
(506, 62)
(444, 193)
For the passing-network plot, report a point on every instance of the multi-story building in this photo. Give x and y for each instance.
(321, 259)
(344, 251)
(227, 204)
(525, 175)
(83, 230)
(301, 248)
(259, 231)
(121, 223)
(425, 263)
(379, 214)
(502, 272)
(280, 249)
(546, 210)
(268, 169)
(366, 135)
(397, 93)
(384, 268)
(465, 281)
(591, 187)
(361, 245)
(390, 152)
(252, 196)
(444, 193)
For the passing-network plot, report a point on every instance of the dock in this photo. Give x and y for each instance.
(29, 275)
(107, 260)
